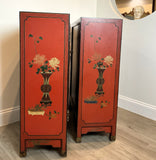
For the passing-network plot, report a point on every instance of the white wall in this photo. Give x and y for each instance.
(9, 44)
(137, 86)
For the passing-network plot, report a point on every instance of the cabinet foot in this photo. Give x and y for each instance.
(112, 138)
(63, 153)
(78, 139)
(23, 154)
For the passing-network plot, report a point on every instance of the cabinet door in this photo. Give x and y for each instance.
(44, 61)
(99, 67)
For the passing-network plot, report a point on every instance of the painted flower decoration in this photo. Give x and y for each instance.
(96, 57)
(54, 62)
(44, 65)
(104, 103)
(108, 60)
(39, 59)
(101, 62)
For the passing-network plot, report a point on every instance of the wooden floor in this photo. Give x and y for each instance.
(136, 140)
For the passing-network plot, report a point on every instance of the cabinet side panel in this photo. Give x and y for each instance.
(75, 75)
(75, 62)
(22, 117)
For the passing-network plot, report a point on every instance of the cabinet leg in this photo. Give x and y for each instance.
(78, 139)
(112, 136)
(23, 154)
(22, 148)
(63, 151)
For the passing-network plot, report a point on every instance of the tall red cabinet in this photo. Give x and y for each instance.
(44, 41)
(95, 74)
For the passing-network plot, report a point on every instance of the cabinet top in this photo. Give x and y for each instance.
(95, 19)
(29, 13)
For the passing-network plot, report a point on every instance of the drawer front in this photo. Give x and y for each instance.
(100, 67)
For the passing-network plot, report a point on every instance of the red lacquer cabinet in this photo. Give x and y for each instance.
(95, 74)
(44, 39)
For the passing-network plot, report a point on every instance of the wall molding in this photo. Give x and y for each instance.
(138, 107)
(9, 115)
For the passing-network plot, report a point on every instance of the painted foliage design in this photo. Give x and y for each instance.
(45, 68)
(100, 64)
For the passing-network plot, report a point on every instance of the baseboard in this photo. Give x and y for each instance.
(141, 108)
(9, 115)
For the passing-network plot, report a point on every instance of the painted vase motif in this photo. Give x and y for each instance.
(100, 81)
(101, 64)
(45, 67)
(46, 88)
